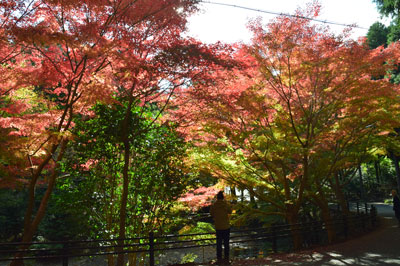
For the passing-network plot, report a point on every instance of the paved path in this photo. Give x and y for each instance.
(380, 247)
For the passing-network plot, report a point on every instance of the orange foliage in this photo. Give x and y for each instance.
(303, 104)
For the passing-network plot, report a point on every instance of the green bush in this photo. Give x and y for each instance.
(198, 228)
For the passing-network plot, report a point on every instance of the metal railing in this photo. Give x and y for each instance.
(312, 233)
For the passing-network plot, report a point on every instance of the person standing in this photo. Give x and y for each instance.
(220, 211)
(396, 205)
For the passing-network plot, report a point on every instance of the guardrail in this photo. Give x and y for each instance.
(313, 233)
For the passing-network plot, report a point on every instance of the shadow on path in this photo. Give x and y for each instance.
(380, 247)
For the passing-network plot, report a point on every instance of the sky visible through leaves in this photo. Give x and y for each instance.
(228, 24)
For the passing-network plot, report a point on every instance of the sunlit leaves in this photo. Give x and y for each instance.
(156, 170)
(307, 104)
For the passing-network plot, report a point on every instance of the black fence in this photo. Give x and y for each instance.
(272, 239)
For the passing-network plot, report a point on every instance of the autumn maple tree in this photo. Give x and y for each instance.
(65, 56)
(308, 104)
(150, 73)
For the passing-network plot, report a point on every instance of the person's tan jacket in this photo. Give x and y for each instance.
(220, 212)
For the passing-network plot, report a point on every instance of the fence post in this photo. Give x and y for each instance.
(366, 208)
(345, 228)
(363, 221)
(65, 255)
(358, 207)
(65, 261)
(316, 231)
(151, 248)
(274, 240)
(373, 213)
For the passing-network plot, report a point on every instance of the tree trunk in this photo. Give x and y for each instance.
(376, 165)
(124, 203)
(253, 200)
(327, 218)
(292, 209)
(322, 202)
(30, 226)
(125, 186)
(396, 165)
(362, 190)
(336, 186)
(292, 218)
(233, 191)
(109, 218)
(337, 189)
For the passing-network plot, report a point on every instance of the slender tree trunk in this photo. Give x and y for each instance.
(321, 201)
(124, 203)
(125, 185)
(327, 218)
(376, 165)
(134, 258)
(396, 166)
(340, 196)
(337, 189)
(30, 231)
(233, 191)
(362, 190)
(292, 218)
(253, 200)
(109, 217)
(30, 226)
(293, 209)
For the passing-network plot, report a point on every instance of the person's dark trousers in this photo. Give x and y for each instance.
(223, 236)
(397, 214)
